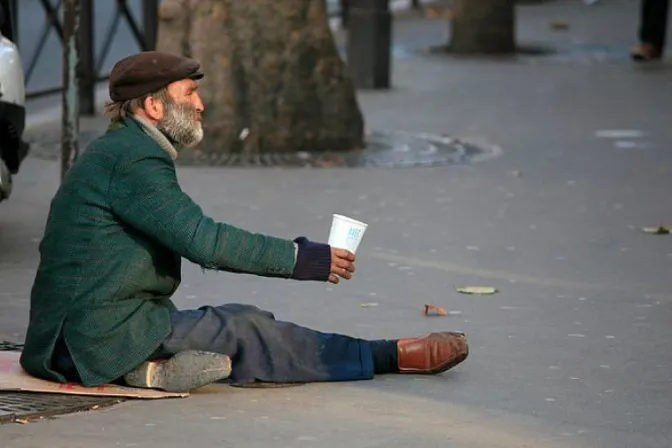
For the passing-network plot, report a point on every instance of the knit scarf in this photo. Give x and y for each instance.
(157, 135)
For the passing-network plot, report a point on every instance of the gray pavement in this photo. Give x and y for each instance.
(574, 349)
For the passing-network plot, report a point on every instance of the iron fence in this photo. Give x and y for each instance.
(91, 62)
(141, 20)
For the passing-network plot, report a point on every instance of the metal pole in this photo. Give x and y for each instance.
(70, 117)
(150, 25)
(87, 65)
(344, 10)
(369, 45)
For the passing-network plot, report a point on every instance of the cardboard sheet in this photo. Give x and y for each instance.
(14, 378)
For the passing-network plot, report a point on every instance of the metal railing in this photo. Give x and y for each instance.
(91, 63)
(82, 67)
(90, 66)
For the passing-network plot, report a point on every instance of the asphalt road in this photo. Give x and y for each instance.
(572, 352)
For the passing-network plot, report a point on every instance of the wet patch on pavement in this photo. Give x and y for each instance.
(532, 52)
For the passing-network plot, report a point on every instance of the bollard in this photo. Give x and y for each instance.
(86, 68)
(344, 8)
(369, 44)
(150, 23)
(70, 116)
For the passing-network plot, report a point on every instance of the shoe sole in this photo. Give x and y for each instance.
(639, 58)
(183, 372)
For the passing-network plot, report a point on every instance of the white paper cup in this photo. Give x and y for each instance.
(346, 233)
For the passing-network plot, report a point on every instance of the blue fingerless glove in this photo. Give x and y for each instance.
(313, 261)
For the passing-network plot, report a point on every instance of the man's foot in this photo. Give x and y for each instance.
(646, 52)
(186, 370)
(431, 354)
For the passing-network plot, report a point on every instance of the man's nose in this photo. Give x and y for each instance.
(198, 103)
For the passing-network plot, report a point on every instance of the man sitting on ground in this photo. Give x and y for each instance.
(110, 261)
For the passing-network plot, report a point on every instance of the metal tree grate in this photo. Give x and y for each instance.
(384, 149)
(10, 346)
(17, 406)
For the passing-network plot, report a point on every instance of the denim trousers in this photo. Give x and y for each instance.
(263, 349)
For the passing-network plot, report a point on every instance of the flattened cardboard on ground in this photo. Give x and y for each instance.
(14, 378)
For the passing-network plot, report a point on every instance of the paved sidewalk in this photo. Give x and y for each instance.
(574, 349)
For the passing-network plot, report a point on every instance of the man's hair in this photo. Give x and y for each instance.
(117, 110)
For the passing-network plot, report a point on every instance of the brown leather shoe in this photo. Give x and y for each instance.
(646, 52)
(431, 354)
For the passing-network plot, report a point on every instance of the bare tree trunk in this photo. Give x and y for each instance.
(483, 26)
(273, 74)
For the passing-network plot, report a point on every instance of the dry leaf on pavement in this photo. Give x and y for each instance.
(660, 230)
(477, 290)
(438, 13)
(433, 310)
(559, 25)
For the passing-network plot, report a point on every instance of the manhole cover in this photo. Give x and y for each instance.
(395, 149)
(386, 149)
(17, 406)
(10, 346)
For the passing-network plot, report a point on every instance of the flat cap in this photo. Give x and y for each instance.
(148, 71)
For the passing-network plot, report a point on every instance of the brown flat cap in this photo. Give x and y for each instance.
(148, 71)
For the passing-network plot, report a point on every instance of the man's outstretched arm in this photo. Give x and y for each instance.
(146, 195)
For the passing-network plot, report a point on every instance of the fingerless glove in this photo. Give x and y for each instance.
(313, 261)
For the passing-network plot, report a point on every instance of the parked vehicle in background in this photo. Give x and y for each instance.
(12, 104)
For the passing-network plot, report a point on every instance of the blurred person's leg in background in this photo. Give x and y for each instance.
(652, 30)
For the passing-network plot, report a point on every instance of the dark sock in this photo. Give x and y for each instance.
(385, 358)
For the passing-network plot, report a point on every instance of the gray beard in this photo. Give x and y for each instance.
(178, 125)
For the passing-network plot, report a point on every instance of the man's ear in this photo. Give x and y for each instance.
(154, 108)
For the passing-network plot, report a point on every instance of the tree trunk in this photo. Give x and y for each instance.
(483, 26)
(274, 80)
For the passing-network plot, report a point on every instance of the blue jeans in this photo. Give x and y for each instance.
(267, 350)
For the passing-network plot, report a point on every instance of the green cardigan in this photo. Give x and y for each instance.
(111, 256)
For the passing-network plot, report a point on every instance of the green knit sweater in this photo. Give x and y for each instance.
(111, 256)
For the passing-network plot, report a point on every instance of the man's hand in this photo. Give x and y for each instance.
(342, 265)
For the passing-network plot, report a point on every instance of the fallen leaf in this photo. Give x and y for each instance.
(660, 230)
(477, 290)
(559, 25)
(438, 13)
(368, 305)
(433, 310)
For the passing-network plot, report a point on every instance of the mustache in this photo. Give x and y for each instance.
(185, 108)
